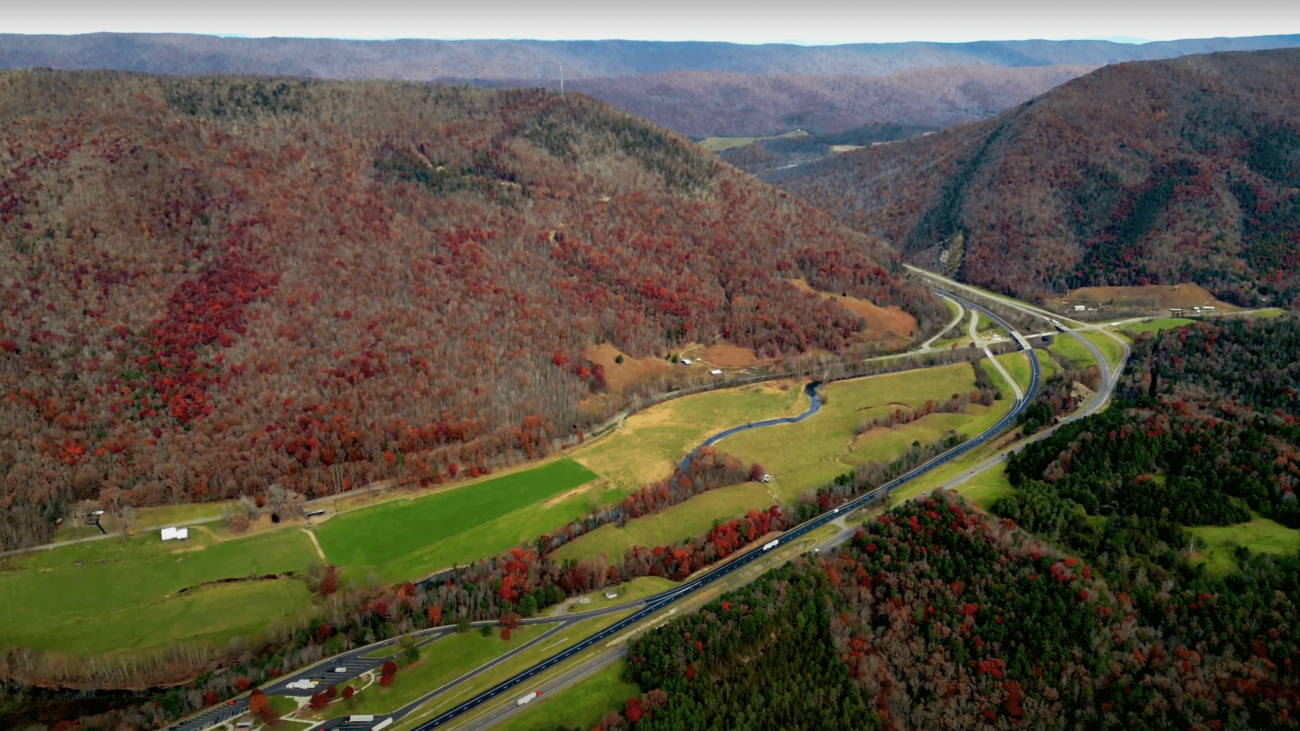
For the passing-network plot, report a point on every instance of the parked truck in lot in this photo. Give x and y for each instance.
(528, 698)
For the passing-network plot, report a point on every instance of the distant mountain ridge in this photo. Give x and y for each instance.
(695, 88)
(430, 60)
(1155, 172)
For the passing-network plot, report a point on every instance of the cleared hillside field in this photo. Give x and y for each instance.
(1259, 535)
(114, 595)
(408, 539)
(652, 441)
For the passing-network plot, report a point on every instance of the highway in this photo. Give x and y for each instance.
(354, 663)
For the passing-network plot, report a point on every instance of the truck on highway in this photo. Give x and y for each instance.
(528, 698)
(771, 544)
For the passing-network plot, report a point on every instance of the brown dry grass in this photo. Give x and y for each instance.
(1154, 297)
(883, 323)
(631, 370)
(726, 355)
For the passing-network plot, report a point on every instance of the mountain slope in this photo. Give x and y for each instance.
(213, 285)
(713, 103)
(1151, 172)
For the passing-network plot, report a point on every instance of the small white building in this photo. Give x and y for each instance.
(715, 372)
(611, 594)
(175, 534)
(686, 361)
(1207, 308)
(1080, 308)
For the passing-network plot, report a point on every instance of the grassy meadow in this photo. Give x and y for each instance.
(813, 452)
(113, 595)
(1259, 535)
(652, 441)
(411, 538)
(687, 520)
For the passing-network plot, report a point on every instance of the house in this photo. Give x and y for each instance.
(1207, 308)
(611, 594)
(686, 361)
(715, 372)
(1175, 310)
(175, 534)
(1080, 308)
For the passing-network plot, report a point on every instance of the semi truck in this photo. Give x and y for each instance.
(528, 698)
(771, 544)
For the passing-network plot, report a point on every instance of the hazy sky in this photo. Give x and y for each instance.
(797, 21)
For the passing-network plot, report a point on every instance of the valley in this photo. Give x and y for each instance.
(878, 386)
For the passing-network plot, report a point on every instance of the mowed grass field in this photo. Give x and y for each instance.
(652, 441)
(578, 706)
(690, 519)
(1110, 349)
(124, 594)
(1017, 365)
(813, 452)
(1071, 351)
(1260, 535)
(408, 539)
(987, 487)
(1157, 326)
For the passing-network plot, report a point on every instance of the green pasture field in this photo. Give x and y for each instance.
(1017, 365)
(689, 519)
(813, 452)
(638, 588)
(407, 539)
(1110, 349)
(579, 706)
(441, 662)
(1156, 326)
(124, 594)
(1260, 535)
(649, 443)
(987, 487)
(1071, 351)
(1047, 363)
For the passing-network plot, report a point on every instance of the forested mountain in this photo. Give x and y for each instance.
(696, 88)
(1204, 430)
(1151, 172)
(211, 285)
(940, 617)
(713, 103)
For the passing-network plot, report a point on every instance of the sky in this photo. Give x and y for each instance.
(788, 21)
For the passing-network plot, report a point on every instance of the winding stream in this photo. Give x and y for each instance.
(815, 405)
